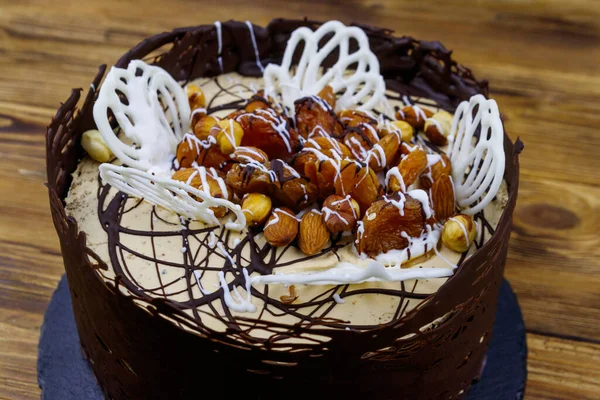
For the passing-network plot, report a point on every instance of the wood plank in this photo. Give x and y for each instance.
(562, 369)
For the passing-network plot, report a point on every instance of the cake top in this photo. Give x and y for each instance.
(316, 158)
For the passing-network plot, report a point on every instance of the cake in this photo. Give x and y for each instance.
(306, 209)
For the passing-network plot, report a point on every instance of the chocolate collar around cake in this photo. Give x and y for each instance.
(468, 294)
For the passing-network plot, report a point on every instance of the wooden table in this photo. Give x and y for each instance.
(543, 62)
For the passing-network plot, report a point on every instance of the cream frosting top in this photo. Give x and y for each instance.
(158, 264)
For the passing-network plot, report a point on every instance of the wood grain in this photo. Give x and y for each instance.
(541, 59)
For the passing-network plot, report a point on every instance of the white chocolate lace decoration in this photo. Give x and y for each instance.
(477, 162)
(363, 89)
(154, 114)
(171, 194)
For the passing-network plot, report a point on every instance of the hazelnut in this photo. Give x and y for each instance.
(400, 127)
(459, 232)
(195, 97)
(202, 128)
(281, 228)
(437, 128)
(340, 213)
(216, 185)
(256, 207)
(93, 143)
(229, 135)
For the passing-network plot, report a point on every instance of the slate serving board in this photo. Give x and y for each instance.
(63, 373)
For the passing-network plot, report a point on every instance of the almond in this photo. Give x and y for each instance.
(386, 220)
(414, 115)
(444, 166)
(411, 166)
(281, 227)
(384, 152)
(247, 154)
(313, 235)
(442, 197)
(355, 118)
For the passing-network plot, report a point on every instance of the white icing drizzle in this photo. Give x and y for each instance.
(422, 197)
(347, 273)
(360, 230)
(419, 113)
(477, 170)
(433, 159)
(336, 297)
(156, 132)
(220, 44)
(363, 89)
(238, 304)
(395, 172)
(170, 194)
(251, 29)
(399, 204)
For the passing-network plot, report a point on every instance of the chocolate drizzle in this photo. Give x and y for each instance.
(145, 346)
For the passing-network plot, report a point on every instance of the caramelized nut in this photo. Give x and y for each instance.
(386, 224)
(432, 173)
(315, 118)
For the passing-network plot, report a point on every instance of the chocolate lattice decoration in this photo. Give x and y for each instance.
(136, 344)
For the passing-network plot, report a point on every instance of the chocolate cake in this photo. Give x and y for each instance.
(306, 209)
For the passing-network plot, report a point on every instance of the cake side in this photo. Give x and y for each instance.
(469, 294)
